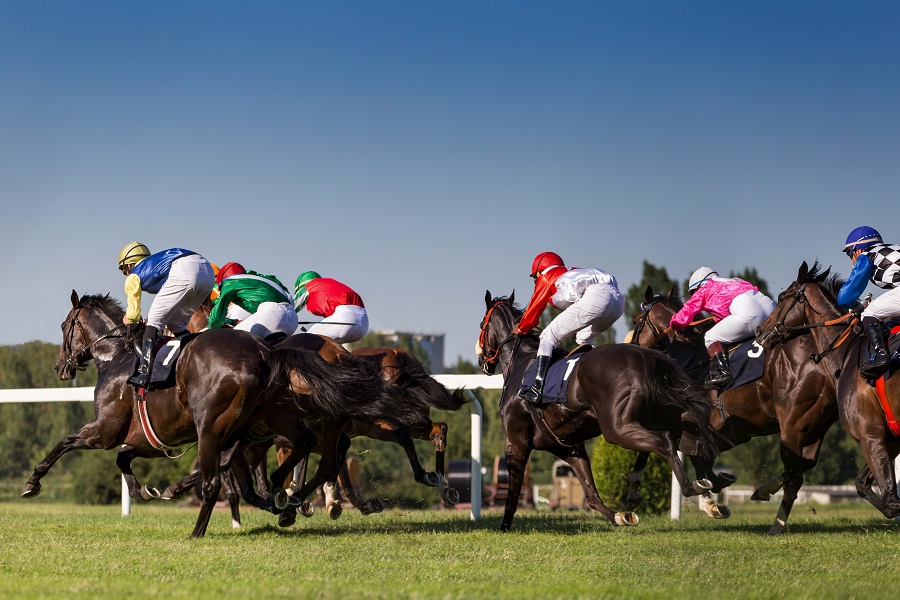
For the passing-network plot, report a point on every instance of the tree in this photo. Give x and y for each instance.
(656, 277)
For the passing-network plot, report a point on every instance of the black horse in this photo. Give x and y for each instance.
(227, 382)
(807, 309)
(794, 399)
(634, 397)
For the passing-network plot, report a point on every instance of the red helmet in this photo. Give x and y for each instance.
(545, 260)
(229, 269)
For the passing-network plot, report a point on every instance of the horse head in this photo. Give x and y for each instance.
(800, 304)
(496, 330)
(91, 320)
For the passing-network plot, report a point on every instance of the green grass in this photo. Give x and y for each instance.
(66, 551)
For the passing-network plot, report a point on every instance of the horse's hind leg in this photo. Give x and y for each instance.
(135, 490)
(643, 440)
(634, 497)
(579, 462)
(234, 499)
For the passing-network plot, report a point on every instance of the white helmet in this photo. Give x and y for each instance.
(699, 276)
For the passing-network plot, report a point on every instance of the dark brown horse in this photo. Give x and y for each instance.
(794, 398)
(633, 396)
(807, 309)
(227, 382)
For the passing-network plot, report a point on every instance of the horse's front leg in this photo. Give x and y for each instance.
(135, 490)
(516, 461)
(96, 435)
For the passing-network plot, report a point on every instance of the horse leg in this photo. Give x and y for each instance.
(864, 488)
(881, 465)
(333, 499)
(123, 460)
(234, 500)
(438, 437)
(93, 436)
(634, 498)
(637, 438)
(516, 461)
(209, 453)
(365, 507)
(578, 460)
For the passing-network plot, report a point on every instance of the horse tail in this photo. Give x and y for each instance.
(670, 385)
(421, 388)
(345, 388)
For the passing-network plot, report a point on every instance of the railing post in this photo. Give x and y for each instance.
(675, 511)
(475, 511)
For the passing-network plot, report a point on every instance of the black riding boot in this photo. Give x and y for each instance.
(719, 371)
(533, 395)
(879, 360)
(147, 354)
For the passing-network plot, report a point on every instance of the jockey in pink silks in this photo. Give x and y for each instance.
(738, 308)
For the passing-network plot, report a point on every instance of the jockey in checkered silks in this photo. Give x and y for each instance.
(874, 261)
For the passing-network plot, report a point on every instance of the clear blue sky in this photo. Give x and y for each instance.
(423, 152)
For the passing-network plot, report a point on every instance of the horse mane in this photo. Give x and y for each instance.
(832, 284)
(516, 309)
(104, 303)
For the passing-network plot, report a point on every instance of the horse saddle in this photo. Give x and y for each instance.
(557, 381)
(167, 353)
(746, 360)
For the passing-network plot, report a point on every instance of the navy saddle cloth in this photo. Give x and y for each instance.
(167, 353)
(557, 381)
(746, 362)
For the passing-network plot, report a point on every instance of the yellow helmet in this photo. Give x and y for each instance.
(133, 253)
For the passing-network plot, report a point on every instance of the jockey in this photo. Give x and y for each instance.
(181, 280)
(263, 301)
(738, 308)
(590, 302)
(874, 261)
(345, 319)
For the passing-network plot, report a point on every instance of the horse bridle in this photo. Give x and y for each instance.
(644, 320)
(74, 357)
(486, 359)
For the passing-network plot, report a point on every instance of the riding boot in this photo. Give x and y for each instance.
(534, 394)
(146, 355)
(719, 371)
(879, 360)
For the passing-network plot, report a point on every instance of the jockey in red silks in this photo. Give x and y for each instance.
(345, 318)
(590, 302)
(738, 308)
(874, 261)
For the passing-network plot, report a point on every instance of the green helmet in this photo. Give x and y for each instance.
(301, 295)
(132, 254)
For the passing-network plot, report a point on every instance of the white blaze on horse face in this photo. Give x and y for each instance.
(298, 384)
(478, 351)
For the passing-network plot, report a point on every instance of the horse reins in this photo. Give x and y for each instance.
(73, 357)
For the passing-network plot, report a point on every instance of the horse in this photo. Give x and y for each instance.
(807, 309)
(633, 396)
(226, 383)
(794, 398)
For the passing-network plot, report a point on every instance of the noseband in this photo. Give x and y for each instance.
(489, 359)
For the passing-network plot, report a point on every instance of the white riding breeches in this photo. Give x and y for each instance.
(748, 310)
(189, 283)
(599, 307)
(269, 318)
(884, 306)
(349, 323)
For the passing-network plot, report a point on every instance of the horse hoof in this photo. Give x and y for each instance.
(701, 485)
(375, 506)
(286, 519)
(451, 496)
(307, 509)
(716, 511)
(726, 479)
(149, 493)
(761, 496)
(31, 490)
(432, 479)
(170, 494)
(777, 527)
(335, 511)
(723, 512)
(627, 518)
(281, 499)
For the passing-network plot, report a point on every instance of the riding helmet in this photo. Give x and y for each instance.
(229, 269)
(544, 261)
(301, 294)
(699, 276)
(132, 254)
(862, 238)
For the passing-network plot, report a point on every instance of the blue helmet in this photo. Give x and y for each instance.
(862, 238)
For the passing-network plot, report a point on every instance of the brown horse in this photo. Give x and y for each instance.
(633, 396)
(227, 382)
(794, 398)
(807, 309)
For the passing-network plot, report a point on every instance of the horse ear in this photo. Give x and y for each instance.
(802, 273)
(74, 299)
(512, 297)
(648, 294)
(671, 293)
(823, 276)
(487, 298)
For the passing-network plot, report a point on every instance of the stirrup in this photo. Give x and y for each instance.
(532, 396)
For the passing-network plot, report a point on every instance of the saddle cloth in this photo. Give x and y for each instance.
(167, 353)
(746, 360)
(557, 381)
